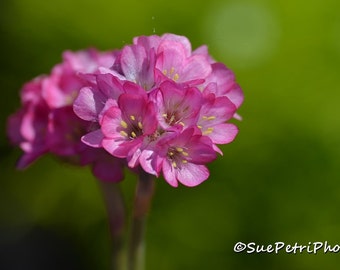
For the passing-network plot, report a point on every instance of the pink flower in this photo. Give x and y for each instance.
(47, 124)
(221, 82)
(63, 85)
(183, 157)
(177, 105)
(125, 126)
(28, 129)
(31, 92)
(92, 98)
(214, 114)
(64, 131)
(138, 65)
(175, 62)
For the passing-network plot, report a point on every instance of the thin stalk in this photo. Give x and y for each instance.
(142, 203)
(116, 215)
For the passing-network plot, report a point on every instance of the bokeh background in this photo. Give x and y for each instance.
(278, 181)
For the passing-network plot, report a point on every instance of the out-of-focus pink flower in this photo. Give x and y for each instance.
(28, 129)
(63, 84)
(47, 124)
(155, 104)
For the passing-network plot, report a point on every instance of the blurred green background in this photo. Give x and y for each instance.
(278, 181)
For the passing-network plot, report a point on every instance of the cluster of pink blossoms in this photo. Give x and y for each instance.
(155, 105)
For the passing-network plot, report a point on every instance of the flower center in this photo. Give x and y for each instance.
(154, 136)
(206, 130)
(131, 127)
(177, 156)
(172, 118)
(171, 74)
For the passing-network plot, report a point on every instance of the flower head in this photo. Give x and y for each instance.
(155, 104)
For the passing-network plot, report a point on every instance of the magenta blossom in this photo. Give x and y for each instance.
(28, 126)
(155, 105)
(177, 105)
(125, 126)
(183, 158)
(214, 114)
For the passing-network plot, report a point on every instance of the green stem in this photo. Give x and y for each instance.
(142, 203)
(116, 214)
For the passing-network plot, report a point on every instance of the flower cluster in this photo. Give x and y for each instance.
(155, 105)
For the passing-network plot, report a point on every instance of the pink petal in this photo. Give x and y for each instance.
(109, 104)
(149, 119)
(148, 42)
(171, 57)
(93, 139)
(236, 95)
(149, 162)
(88, 104)
(192, 175)
(169, 174)
(104, 70)
(222, 76)
(132, 88)
(13, 123)
(224, 133)
(200, 152)
(196, 67)
(111, 122)
(109, 86)
(216, 110)
(132, 61)
(131, 104)
(184, 41)
(134, 158)
(120, 148)
(28, 158)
